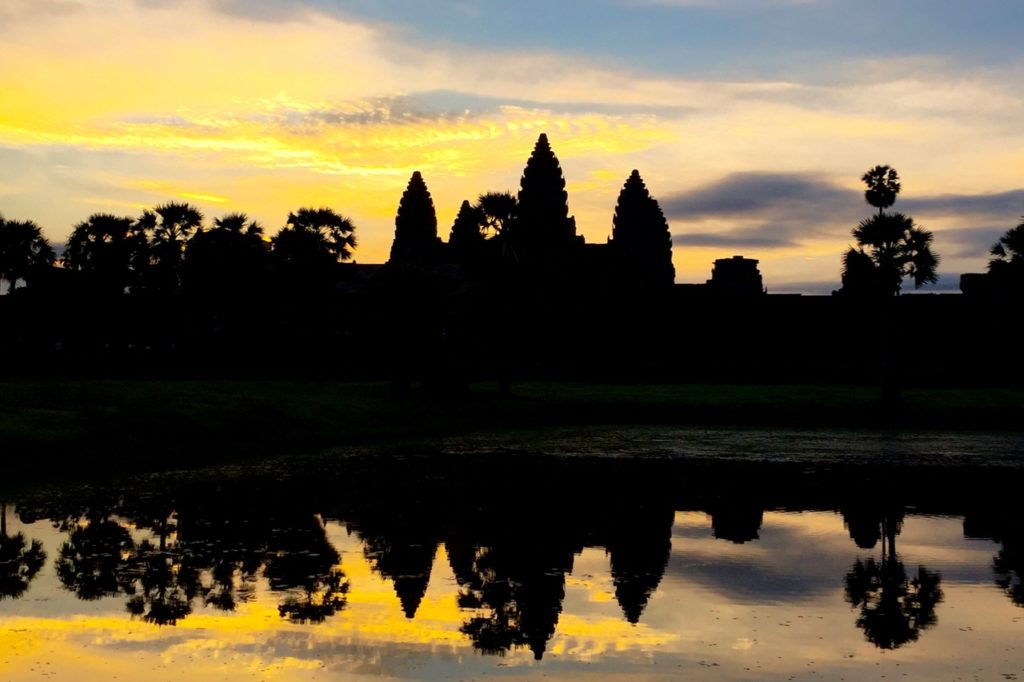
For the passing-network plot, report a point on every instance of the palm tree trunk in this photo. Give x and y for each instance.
(890, 377)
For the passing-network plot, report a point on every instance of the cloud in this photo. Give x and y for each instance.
(971, 242)
(1008, 205)
(763, 237)
(17, 11)
(744, 194)
(785, 209)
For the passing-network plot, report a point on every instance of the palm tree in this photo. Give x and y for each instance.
(229, 257)
(177, 222)
(883, 184)
(23, 251)
(328, 232)
(499, 212)
(891, 248)
(1010, 247)
(111, 251)
(1007, 264)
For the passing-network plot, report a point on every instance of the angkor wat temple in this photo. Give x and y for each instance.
(514, 293)
(533, 236)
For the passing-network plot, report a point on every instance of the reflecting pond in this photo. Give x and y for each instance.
(524, 566)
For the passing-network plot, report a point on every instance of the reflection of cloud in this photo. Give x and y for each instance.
(791, 562)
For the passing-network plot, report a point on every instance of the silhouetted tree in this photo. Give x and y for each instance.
(177, 222)
(499, 213)
(230, 258)
(20, 560)
(890, 246)
(896, 249)
(641, 242)
(894, 608)
(1007, 264)
(544, 228)
(883, 184)
(307, 251)
(24, 251)
(416, 239)
(467, 237)
(112, 252)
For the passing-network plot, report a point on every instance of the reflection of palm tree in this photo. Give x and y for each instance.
(168, 584)
(894, 608)
(518, 590)
(323, 595)
(302, 559)
(97, 559)
(20, 560)
(1008, 564)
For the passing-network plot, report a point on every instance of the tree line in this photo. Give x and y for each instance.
(510, 291)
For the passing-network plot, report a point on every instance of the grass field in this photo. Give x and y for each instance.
(82, 427)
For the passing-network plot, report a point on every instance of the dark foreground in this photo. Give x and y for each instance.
(81, 428)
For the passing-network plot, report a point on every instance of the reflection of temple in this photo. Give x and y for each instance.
(737, 522)
(404, 554)
(512, 528)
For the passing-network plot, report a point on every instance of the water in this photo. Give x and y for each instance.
(454, 565)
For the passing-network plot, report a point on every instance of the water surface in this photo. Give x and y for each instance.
(449, 565)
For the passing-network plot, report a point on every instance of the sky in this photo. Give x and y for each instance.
(751, 121)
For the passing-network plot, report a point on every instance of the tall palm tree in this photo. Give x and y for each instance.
(306, 251)
(1007, 264)
(112, 251)
(226, 259)
(883, 184)
(891, 248)
(177, 222)
(499, 213)
(332, 233)
(23, 251)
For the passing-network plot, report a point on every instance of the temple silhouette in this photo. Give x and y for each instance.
(513, 293)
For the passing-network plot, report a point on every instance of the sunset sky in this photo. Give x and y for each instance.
(750, 120)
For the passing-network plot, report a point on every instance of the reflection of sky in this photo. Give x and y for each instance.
(770, 608)
(268, 105)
